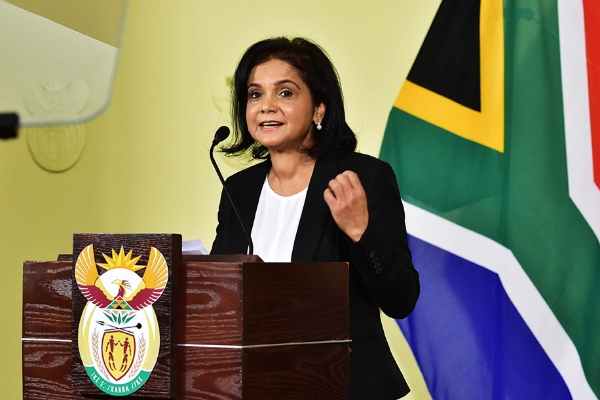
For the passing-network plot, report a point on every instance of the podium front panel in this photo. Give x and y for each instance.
(222, 348)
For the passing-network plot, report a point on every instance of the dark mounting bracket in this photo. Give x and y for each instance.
(9, 125)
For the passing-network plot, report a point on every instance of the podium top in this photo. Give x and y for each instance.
(243, 258)
(240, 258)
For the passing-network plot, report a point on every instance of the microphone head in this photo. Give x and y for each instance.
(221, 134)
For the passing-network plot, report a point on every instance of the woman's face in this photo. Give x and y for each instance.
(280, 112)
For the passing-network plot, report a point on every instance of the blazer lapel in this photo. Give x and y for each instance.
(315, 214)
(247, 203)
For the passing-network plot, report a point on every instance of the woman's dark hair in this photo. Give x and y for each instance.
(319, 74)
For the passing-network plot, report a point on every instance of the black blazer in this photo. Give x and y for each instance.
(381, 271)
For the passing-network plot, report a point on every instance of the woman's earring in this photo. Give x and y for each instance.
(319, 126)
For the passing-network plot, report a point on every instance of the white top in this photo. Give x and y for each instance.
(275, 224)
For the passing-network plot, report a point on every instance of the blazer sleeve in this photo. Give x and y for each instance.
(382, 256)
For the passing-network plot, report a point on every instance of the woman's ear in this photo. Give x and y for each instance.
(319, 113)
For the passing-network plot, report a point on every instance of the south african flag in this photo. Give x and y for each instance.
(495, 140)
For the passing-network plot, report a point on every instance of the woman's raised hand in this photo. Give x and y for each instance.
(347, 201)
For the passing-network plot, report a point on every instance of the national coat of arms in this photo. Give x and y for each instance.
(119, 336)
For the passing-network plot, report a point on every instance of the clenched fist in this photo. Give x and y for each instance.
(347, 201)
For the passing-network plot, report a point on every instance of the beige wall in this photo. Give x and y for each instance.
(145, 166)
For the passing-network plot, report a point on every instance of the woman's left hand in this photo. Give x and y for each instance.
(347, 201)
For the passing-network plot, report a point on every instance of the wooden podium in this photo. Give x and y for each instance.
(245, 329)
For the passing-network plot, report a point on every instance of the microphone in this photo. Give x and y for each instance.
(222, 134)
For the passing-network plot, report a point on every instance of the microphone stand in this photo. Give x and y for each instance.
(221, 135)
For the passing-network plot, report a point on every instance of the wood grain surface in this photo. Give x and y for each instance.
(296, 372)
(295, 302)
(46, 345)
(244, 302)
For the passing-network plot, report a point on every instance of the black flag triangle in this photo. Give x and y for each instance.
(457, 79)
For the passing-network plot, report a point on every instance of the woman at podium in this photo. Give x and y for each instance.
(313, 198)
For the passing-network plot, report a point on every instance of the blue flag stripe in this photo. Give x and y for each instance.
(466, 331)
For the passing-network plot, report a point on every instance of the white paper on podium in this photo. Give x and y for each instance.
(193, 247)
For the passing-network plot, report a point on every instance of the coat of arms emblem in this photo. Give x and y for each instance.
(119, 336)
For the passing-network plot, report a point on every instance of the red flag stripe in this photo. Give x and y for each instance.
(591, 9)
